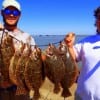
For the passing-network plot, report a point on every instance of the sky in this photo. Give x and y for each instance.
(57, 17)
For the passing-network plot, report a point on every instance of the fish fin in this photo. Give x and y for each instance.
(56, 88)
(66, 93)
(21, 90)
(36, 95)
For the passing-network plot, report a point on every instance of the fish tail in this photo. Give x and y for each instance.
(66, 93)
(21, 91)
(36, 95)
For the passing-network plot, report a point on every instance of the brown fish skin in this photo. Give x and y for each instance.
(13, 63)
(12, 68)
(54, 67)
(71, 70)
(1, 66)
(1, 61)
(33, 72)
(7, 51)
(20, 68)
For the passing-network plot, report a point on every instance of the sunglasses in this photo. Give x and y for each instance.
(15, 12)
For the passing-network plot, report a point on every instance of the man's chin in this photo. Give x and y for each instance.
(11, 24)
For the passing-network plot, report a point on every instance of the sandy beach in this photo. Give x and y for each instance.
(46, 92)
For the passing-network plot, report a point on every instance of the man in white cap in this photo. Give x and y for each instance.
(11, 12)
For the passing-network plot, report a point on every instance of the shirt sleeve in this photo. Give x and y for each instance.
(32, 42)
(78, 49)
(29, 39)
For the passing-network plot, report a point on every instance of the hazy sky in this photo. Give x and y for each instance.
(57, 16)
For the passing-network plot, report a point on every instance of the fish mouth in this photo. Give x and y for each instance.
(50, 53)
(34, 57)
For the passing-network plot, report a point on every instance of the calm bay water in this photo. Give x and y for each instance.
(43, 40)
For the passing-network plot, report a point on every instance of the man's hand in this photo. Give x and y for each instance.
(70, 39)
(43, 56)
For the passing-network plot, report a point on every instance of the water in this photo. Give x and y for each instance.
(43, 40)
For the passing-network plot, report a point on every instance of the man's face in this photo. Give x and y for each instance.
(11, 15)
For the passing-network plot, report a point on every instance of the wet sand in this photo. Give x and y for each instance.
(46, 92)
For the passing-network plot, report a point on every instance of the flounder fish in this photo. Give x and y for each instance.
(7, 51)
(20, 68)
(71, 69)
(14, 61)
(34, 72)
(54, 67)
(1, 66)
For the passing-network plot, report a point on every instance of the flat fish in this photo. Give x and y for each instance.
(71, 69)
(34, 72)
(20, 68)
(7, 51)
(14, 61)
(1, 66)
(54, 67)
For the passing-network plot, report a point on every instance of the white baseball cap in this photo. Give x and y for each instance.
(14, 3)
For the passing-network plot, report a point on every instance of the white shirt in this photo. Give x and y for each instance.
(88, 51)
(19, 36)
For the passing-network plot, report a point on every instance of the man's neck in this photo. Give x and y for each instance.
(10, 28)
